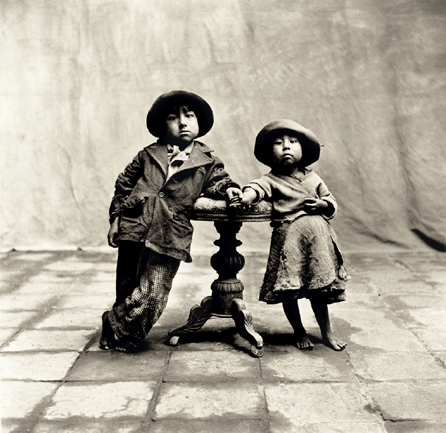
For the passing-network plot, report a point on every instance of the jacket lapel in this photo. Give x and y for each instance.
(159, 153)
(197, 157)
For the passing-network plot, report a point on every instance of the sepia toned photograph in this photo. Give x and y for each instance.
(223, 216)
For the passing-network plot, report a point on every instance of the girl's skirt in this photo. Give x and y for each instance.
(305, 261)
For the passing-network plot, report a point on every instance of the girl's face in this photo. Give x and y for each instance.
(287, 150)
(181, 127)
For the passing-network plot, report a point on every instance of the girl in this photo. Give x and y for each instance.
(305, 259)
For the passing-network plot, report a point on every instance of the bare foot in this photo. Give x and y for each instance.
(304, 343)
(334, 343)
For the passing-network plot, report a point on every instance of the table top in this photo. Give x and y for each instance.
(207, 209)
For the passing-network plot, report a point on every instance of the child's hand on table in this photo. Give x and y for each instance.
(235, 196)
(238, 197)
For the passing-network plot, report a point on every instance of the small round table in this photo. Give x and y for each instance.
(227, 291)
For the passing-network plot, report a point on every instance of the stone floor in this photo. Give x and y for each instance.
(391, 378)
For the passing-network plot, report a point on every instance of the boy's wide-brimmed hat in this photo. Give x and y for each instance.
(311, 148)
(156, 117)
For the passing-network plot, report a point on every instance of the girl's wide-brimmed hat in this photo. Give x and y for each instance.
(156, 117)
(311, 147)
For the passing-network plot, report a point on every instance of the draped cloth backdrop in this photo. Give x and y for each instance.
(368, 77)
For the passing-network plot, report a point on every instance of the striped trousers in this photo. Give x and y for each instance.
(143, 282)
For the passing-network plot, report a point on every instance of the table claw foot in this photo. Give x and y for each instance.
(198, 316)
(255, 352)
(243, 320)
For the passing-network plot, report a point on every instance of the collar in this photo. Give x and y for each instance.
(199, 155)
(175, 153)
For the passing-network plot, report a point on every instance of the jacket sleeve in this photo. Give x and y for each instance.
(217, 181)
(124, 185)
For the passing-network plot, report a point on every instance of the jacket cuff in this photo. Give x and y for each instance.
(114, 215)
(231, 184)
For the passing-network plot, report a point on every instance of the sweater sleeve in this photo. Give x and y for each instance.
(262, 187)
(124, 185)
(327, 196)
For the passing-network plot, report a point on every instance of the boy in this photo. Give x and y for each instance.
(149, 214)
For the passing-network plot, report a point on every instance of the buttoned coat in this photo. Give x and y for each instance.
(156, 210)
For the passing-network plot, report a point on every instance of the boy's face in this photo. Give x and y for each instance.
(286, 150)
(181, 127)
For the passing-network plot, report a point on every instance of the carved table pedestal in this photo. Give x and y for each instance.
(227, 291)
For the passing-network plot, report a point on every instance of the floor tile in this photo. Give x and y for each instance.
(313, 403)
(395, 340)
(69, 266)
(111, 365)
(214, 366)
(410, 401)
(397, 366)
(306, 365)
(105, 277)
(418, 301)
(101, 302)
(415, 427)
(68, 318)
(285, 426)
(54, 288)
(216, 426)
(441, 356)
(7, 333)
(84, 425)
(209, 401)
(105, 400)
(367, 318)
(33, 256)
(13, 425)
(16, 302)
(20, 399)
(108, 266)
(38, 340)
(16, 319)
(429, 317)
(106, 288)
(36, 366)
(434, 339)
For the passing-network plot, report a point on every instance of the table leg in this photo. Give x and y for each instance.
(227, 292)
(198, 316)
(243, 321)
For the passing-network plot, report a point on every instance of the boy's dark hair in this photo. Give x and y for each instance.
(174, 109)
(175, 100)
(178, 108)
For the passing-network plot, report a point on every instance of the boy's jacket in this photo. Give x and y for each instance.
(156, 211)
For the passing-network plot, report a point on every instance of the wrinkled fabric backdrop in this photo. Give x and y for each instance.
(366, 76)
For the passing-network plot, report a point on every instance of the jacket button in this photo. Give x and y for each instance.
(161, 194)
